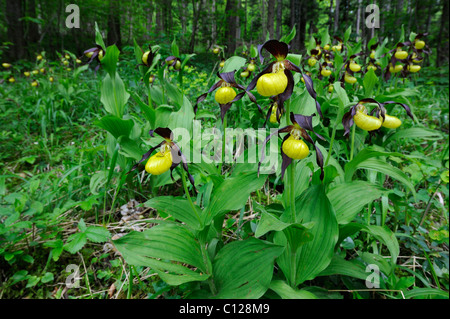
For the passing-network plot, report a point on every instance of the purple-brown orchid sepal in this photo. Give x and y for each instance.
(302, 123)
(280, 50)
(177, 156)
(227, 77)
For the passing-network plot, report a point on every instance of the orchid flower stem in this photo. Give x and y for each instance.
(292, 190)
(291, 173)
(186, 191)
(353, 142)
(224, 140)
(150, 105)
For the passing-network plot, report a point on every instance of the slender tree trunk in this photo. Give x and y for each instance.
(196, 7)
(443, 45)
(358, 21)
(114, 36)
(279, 28)
(15, 29)
(330, 16)
(263, 20)
(231, 27)
(271, 18)
(336, 17)
(32, 29)
(399, 15)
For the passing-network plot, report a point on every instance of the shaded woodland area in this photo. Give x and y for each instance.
(28, 26)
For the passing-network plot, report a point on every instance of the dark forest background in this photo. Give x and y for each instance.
(30, 26)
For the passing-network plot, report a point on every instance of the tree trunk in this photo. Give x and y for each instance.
(399, 15)
(15, 29)
(32, 28)
(231, 27)
(279, 28)
(330, 16)
(358, 21)
(442, 46)
(271, 18)
(114, 36)
(336, 17)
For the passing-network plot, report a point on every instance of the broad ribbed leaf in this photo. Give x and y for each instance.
(179, 208)
(109, 62)
(422, 293)
(116, 126)
(383, 167)
(232, 64)
(348, 199)
(287, 292)
(315, 255)
(414, 132)
(232, 194)
(183, 118)
(316, 250)
(340, 266)
(114, 95)
(369, 81)
(270, 222)
(381, 233)
(244, 269)
(161, 245)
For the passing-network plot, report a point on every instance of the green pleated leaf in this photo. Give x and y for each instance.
(114, 96)
(270, 222)
(349, 198)
(233, 63)
(183, 118)
(369, 82)
(288, 37)
(313, 249)
(383, 167)
(149, 113)
(315, 255)
(232, 194)
(160, 246)
(244, 269)
(98, 37)
(373, 158)
(116, 126)
(381, 233)
(287, 292)
(414, 132)
(422, 293)
(340, 266)
(109, 61)
(179, 208)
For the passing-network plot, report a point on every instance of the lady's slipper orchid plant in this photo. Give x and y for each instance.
(293, 146)
(366, 121)
(277, 79)
(168, 157)
(174, 62)
(226, 94)
(95, 53)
